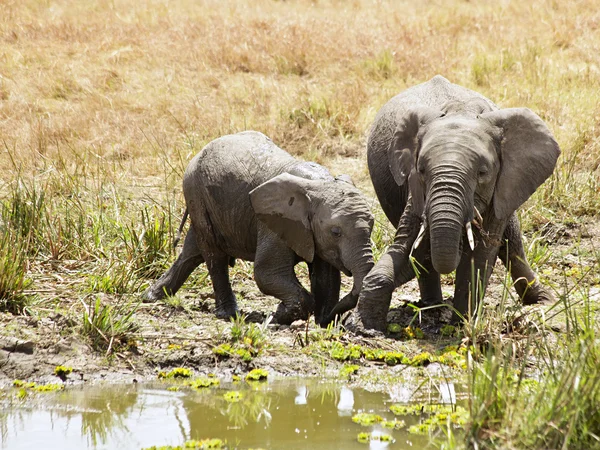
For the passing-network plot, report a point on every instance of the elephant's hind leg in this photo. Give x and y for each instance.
(218, 268)
(170, 282)
(274, 275)
(513, 257)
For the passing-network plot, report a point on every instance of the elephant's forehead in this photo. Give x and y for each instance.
(458, 129)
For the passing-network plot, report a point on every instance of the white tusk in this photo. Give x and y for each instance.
(419, 236)
(478, 217)
(470, 236)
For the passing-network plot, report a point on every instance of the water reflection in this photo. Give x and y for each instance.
(298, 414)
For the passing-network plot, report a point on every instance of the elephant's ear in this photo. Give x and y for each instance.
(283, 205)
(528, 154)
(402, 150)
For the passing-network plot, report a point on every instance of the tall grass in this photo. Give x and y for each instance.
(529, 387)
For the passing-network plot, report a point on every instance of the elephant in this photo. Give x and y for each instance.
(249, 199)
(450, 169)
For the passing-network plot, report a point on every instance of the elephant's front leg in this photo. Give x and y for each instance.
(325, 281)
(513, 256)
(274, 274)
(392, 270)
(429, 279)
(475, 268)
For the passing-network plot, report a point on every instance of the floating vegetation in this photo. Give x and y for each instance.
(203, 382)
(62, 372)
(367, 419)
(50, 387)
(233, 396)
(393, 424)
(177, 372)
(439, 416)
(257, 375)
(450, 356)
(173, 388)
(365, 438)
(203, 444)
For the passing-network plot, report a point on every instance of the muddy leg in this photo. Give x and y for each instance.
(218, 268)
(170, 282)
(513, 256)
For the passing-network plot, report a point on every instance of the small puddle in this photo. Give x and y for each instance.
(289, 414)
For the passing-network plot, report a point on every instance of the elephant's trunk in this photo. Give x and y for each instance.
(448, 212)
(359, 270)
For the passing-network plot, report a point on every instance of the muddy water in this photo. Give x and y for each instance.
(274, 415)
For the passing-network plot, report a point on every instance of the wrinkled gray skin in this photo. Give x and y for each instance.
(249, 199)
(436, 152)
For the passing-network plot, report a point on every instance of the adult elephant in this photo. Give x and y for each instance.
(249, 199)
(441, 158)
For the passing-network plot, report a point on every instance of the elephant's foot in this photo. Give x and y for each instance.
(154, 293)
(537, 294)
(286, 315)
(356, 325)
(226, 309)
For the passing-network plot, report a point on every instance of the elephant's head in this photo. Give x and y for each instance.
(327, 218)
(461, 161)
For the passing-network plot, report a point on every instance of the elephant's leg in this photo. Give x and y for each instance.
(218, 269)
(392, 270)
(274, 274)
(325, 281)
(513, 256)
(170, 282)
(429, 279)
(474, 270)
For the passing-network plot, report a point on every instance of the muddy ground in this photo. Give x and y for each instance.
(184, 334)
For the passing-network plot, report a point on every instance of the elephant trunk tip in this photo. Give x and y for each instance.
(445, 265)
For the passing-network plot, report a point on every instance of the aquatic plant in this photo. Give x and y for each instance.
(367, 419)
(393, 424)
(257, 375)
(177, 372)
(203, 444)
(203, 382)
(365, 438)
(233, 396)
(422, 359)
(50, 387)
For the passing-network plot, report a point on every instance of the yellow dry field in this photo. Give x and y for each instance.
(103, 103)
(121, 90)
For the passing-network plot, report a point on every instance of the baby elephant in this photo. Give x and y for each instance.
(249, 199)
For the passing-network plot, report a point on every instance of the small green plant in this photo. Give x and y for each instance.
(347, 370)
(108, 326)
(62, 372)
(257, 375)
(245, 340)
(448, 330)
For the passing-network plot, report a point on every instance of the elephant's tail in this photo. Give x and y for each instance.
(181, 225)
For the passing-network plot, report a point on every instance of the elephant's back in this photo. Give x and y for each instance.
(217, 183)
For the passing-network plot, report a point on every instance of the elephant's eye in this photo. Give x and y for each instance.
(336, 231)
